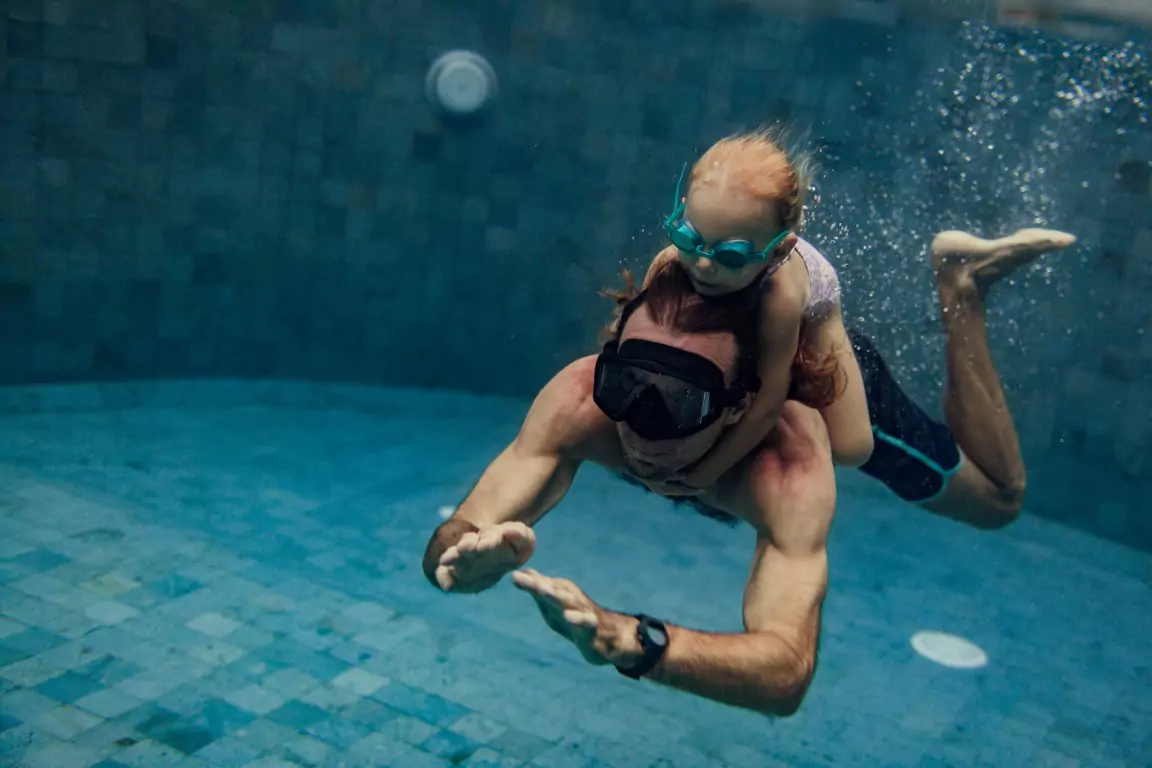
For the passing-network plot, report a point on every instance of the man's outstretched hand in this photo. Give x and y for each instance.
(602, 637)
(480, 559)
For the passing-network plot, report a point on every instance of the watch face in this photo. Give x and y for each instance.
(657, 635)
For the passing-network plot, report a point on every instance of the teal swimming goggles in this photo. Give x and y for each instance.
(733, 254)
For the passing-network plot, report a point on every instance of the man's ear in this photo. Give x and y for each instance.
(737, 412)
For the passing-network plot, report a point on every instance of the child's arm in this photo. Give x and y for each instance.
(781, 312)
(849, 426)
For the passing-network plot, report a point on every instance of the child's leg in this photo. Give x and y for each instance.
(849, 427)
(974, 404)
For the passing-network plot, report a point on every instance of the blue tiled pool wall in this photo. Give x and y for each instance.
(204, 190)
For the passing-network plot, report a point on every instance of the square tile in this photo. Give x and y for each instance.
(14, 741)
(298, 715)
(451, 746)
(477, 727)
(30, 610)
(25, 704)
(147, 653)
(47, 752)
(148, 685)
(409, 730)
(220, 717)
(40, 560)
(71, 625)
(368, 614)
(185, 699)
(33, 641)
(427, 706)
(73, 655)
(111, 584)
(256, 699)
(65, 722)
(217, 653)
(359, 681)
(251, 638)
(516, 743)
(109, 737)
(368, 712)
(39, 585)
(214, 624)
(173, 586)
(179, 733)
(338, 732)
(9, 627)
(289, 653)
(110, 612)
(109, 670)
(110, 640)
(381, 750)
(149, 754)
(108, 702)
(305, 750)
(273, 761)
(331, 699)
(485, 757)
(68, 687)
(75, 600)
(10, 656)
(229, 752)
(265, 734)
(290, 683)
(30, 672)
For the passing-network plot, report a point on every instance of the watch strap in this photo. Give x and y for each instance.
(652, 649)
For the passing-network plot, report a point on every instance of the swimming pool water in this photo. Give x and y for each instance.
(227, 574)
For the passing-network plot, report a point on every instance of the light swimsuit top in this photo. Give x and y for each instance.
(824, 284)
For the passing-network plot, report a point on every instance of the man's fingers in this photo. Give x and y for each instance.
(446, 577)
(520, 538)
(450, 556)
(540, 587)
(581, 619)
(488, 540)
(468, 542)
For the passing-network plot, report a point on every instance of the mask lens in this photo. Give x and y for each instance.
(656, 406)
(616, 388)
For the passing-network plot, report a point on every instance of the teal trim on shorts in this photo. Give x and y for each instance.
(945, 474)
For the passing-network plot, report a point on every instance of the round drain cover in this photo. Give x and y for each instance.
(949, 650)
(461, 82)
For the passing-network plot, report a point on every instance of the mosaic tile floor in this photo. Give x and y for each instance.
(228, 575)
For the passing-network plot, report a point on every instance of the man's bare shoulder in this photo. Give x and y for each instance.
(786, 488)
(566, 418)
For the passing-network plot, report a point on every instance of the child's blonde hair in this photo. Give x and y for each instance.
(761, 164)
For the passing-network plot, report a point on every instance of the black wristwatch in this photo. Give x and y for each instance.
(653, 637)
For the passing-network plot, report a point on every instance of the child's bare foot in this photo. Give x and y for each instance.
(965, 258)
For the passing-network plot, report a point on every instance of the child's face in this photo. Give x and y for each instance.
(719, 215)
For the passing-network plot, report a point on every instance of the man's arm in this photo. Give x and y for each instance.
(789, 495)
(529, 477)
